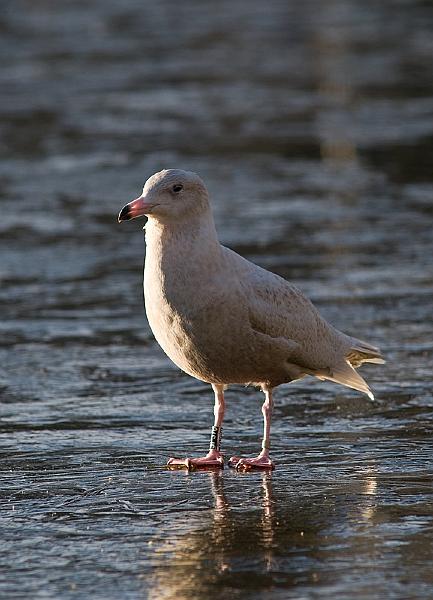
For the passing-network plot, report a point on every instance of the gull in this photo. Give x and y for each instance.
(224, 320)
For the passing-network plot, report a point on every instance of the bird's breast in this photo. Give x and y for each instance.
(200, 337)
(180, 325)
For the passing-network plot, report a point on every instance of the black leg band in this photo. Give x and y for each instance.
(215, 438)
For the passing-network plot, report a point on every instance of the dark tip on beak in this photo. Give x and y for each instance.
(124, 214)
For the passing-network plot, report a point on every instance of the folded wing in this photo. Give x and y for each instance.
(279, 309)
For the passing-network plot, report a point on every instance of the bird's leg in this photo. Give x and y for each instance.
(214, 457)
(262, 461)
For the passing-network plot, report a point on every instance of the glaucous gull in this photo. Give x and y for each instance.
(225, 320)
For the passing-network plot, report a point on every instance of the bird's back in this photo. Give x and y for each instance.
(223, 319)
(279, 309)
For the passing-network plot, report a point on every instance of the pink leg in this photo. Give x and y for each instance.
(262, 461)
(213, 458)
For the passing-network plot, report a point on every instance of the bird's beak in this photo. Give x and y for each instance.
(136, 208)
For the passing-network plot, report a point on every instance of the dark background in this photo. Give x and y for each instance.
(312, 124)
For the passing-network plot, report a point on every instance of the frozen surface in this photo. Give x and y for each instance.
(322, 111)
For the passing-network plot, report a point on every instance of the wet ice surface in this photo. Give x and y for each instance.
(322, 115)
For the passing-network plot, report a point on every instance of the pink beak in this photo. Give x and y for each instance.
(136, 208)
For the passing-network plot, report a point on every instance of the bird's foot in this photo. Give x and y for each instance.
(261, 462)
(212, 460)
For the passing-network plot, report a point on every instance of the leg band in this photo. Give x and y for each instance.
(266, 445)
(215, 438)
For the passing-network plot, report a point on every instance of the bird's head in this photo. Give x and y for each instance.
(169, 196)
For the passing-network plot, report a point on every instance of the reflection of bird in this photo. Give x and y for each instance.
(224, 320)
(226, 546)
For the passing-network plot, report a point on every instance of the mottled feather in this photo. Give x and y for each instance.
(226, 320)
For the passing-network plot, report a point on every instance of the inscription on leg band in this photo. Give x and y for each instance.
(215, 438)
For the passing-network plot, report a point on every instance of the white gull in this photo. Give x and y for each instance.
(225, 320)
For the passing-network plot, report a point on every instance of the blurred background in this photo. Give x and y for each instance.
(312, 124)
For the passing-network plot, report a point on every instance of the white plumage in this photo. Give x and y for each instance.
(221, 318)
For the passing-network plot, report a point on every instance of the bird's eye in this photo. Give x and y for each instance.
(177, 188)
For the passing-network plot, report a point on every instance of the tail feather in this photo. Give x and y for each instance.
(345, 374)
(361, 352)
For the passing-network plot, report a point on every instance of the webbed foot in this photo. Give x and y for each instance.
(212, 460)
(261, 462)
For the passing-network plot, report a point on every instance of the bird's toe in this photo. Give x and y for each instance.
(251, 464)
(179, 463)
(213, 460)
(233, 461)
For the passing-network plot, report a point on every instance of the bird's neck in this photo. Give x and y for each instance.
(191, 244)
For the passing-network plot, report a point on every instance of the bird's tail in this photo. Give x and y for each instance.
(361, 352)
(344, 372)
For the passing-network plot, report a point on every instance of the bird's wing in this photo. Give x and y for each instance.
(278, 308)
(280, 311)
